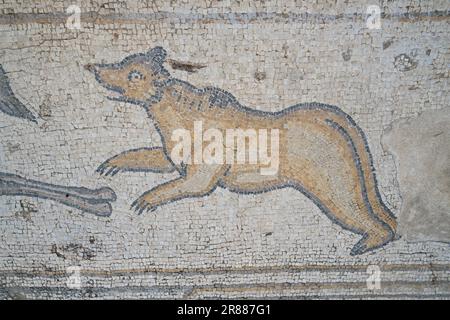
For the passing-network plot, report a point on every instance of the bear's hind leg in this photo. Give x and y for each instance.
(351, 213)
(373, 240)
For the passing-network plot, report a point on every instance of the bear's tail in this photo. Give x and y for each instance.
(380, 210)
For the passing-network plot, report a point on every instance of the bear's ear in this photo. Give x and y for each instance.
(158, 54)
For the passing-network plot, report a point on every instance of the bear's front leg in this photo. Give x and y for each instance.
(198, 180)
(143, 159)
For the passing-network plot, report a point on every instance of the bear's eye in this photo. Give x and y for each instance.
(135, 75)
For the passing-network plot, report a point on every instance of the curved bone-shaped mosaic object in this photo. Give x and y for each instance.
(9, 104)
(95, 201)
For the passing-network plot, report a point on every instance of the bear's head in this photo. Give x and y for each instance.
(136, 79)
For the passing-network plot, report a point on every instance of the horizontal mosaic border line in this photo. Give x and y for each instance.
(388, 285)
(399, 289)
(228, 18)
(313, 268)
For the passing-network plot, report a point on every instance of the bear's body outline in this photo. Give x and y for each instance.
(383, 220)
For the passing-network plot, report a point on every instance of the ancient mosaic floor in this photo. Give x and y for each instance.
(348, 195)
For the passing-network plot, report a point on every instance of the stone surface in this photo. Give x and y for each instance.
(421, 148)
